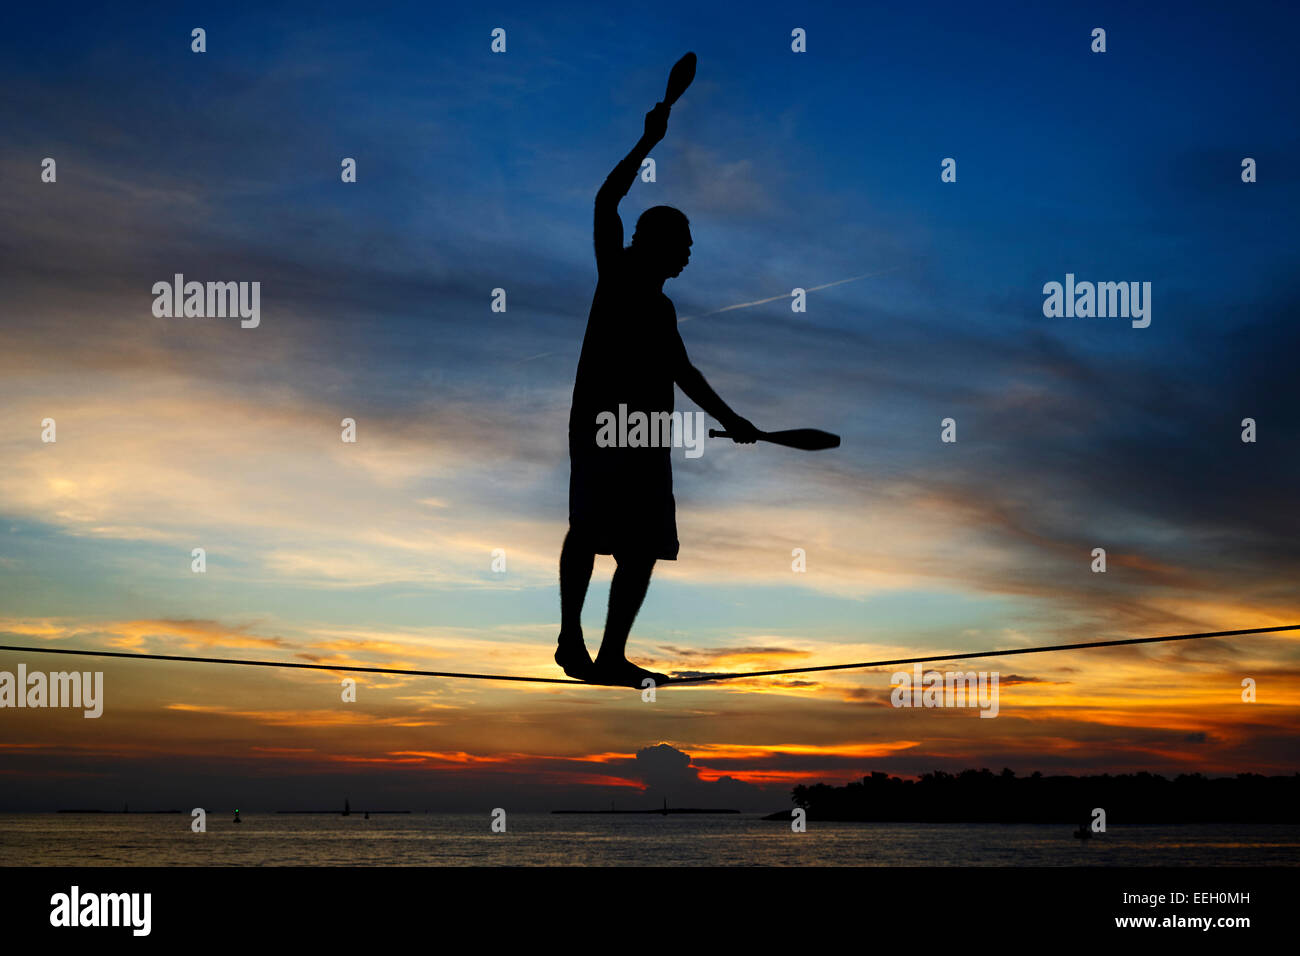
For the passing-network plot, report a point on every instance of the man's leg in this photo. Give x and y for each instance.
(576, 563)
(626, 592)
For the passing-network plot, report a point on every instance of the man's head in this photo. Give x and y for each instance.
(662, 240)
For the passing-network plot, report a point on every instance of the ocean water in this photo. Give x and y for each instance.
(268, 839)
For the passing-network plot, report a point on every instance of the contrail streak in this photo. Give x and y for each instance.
(816, 288)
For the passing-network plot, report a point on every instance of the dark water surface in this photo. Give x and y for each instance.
(64, 839)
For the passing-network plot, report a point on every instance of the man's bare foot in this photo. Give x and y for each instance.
(573, 657)
(623, 673)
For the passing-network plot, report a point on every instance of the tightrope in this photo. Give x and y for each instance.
(700, 679)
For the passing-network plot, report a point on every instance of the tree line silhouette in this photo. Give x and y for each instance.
(981, 796)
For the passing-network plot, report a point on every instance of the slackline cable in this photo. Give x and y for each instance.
(675, 680)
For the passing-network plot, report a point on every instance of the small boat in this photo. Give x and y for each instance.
(237, 820)
(1083, 833)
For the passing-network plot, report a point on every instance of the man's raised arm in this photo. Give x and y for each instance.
(609, 227)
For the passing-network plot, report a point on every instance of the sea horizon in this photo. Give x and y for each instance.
(262, 838)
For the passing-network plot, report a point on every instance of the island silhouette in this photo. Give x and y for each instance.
(981, 796)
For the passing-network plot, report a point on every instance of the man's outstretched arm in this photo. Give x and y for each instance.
(609, 227)
(697, 389)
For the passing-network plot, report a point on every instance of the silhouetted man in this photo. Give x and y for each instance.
(621, 498)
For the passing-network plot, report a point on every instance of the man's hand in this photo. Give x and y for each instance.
(741, 430)
(656, 123)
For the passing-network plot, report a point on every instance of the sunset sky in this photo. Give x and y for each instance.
(477, 171)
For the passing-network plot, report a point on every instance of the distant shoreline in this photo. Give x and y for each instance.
(341, 813)
(659, 812)
(980, 796)
(119, 812)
